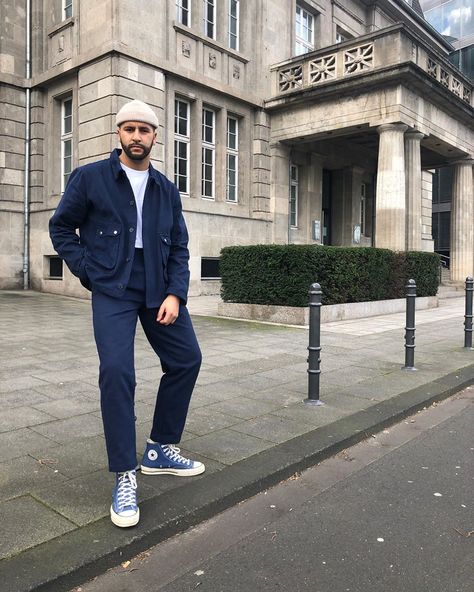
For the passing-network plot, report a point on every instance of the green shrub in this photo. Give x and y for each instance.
(282, 274)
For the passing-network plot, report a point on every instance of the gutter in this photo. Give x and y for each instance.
(26, 194)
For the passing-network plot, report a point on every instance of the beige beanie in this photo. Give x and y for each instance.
(137, 111)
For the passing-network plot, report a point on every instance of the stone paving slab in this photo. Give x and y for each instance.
(27, 523)
(247, 411)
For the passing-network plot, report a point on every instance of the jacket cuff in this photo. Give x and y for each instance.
(183, 298)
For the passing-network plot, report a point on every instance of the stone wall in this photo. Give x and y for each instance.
(12, 165)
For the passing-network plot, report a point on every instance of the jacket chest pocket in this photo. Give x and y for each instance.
(106, 246)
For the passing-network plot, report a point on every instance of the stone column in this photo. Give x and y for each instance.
(390, 198)
(462, 222)
(279, 191)
(413, 189)
(315, 197)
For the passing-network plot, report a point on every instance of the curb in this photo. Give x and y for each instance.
(77, 556)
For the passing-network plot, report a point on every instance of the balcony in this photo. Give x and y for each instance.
(375, 53)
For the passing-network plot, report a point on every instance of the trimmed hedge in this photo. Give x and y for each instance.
(282, 274)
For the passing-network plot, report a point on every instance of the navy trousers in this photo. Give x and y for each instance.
(115, 322)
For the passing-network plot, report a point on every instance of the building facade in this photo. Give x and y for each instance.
(454, 19)
(313, 121)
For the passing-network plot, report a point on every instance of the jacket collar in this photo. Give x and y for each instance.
(118, 170)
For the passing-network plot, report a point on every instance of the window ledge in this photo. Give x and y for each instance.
(61, 26)
(189, 32)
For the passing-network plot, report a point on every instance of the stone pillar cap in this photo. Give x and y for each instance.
(394, 127)
(415, 134)
(466, 161)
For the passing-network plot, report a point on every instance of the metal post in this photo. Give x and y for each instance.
(314, 348)
(410, 326)
(468, 314)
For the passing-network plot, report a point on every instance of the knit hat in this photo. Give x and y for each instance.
(137, 111)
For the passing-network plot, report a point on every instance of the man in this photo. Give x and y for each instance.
(131, 252)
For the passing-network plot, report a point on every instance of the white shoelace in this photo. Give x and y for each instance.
(173, 453)
(126, 490)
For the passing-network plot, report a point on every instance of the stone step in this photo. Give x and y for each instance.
(451, 291)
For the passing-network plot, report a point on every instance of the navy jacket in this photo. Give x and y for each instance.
(99, 201)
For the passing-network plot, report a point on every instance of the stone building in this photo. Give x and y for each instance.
(303, 121)
(454, 19)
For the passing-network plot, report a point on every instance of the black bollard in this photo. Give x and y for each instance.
(314, 348)
(410, 326)
(468, 314)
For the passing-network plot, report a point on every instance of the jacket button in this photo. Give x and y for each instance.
(127, 259)
(131, 229)
(132, 203)
(120, 286)
(115, 231)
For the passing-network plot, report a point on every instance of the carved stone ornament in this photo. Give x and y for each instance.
(212, 61)
(236, 71)
(291, 78)
(186, 48)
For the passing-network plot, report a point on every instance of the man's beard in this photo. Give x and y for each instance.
(137, 155)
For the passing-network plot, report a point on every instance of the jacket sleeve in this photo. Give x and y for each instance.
(69, 216)
(178, 266)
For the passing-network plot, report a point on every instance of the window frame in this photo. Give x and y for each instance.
(208, 147)
(50, 261)
(66, 139)
(232, 151)
(234, 36)
(209, 25)
(67, 9)
(182, 11)
(180, 139)
(293, 198)
(301, 42)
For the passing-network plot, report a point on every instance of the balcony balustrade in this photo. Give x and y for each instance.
(392, 46)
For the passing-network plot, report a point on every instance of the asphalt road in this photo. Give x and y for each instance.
(393, 513)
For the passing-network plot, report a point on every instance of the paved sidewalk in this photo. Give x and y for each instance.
(247, 422)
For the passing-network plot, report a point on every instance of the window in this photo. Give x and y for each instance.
(208, 152)
(67, 9)
(232, 165)
(210, 268)
(342, 35)
(209, 19)
(181, 145)
(54, 267)
(66, 141)
(454, 18)
(293, 195)
(183, 12)
(363, 209)
(234, 24)
(304, 31)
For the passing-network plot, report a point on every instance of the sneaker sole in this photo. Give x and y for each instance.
(124, 521)
(177, 472)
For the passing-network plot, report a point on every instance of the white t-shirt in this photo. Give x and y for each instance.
(138, 181)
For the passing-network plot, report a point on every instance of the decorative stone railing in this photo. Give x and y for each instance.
(446, 78)
(388, 47)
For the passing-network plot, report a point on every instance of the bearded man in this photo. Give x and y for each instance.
(131, 251)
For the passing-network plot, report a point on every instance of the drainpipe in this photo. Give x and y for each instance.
(290, 159)
(26, 196)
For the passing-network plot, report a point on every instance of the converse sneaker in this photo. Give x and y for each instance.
(165, 459)
(124, 509)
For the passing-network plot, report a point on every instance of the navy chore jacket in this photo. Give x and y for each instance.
(99, 202)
